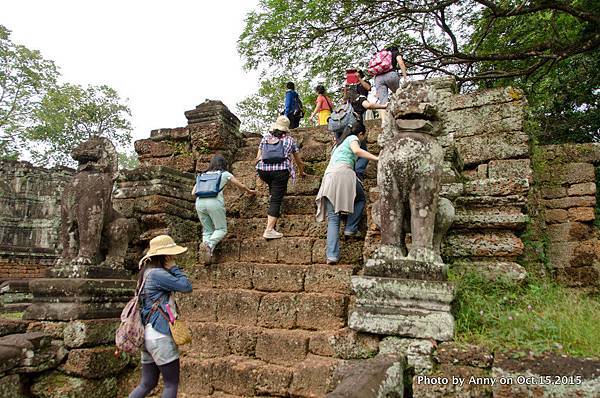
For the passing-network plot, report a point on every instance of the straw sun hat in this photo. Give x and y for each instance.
(282, 124)
(162, 245)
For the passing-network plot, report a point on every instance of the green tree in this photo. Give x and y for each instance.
(25, 76)
(260, 110)
(70, 114)
(479, 42)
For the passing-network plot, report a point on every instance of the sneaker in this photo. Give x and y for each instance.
(355, 234)
(272, 234)
(331, 261)
(206, 254)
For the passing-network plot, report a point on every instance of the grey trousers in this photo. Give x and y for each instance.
(389, 80)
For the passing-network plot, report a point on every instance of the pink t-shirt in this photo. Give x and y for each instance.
(322, 103)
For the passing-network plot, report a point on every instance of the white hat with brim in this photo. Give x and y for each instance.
(162, 245)
(282, 124)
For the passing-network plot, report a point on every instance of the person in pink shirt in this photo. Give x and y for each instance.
(323, 107)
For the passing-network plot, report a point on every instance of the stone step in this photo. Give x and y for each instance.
(511, 219)
(278, 346)
(309, 311)
(301, 225)
(287, 250)
(486, 243)
(271, 277)
(240, 376)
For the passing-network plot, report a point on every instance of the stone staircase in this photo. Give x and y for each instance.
(269, 317)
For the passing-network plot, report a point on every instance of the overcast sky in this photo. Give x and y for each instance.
(164, 56)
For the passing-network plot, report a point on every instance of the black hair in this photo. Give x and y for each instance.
(392, 47)
(354, 129)
(217, 163)
(320, 89)
(361, 74)
(290, 86)
(278, 133)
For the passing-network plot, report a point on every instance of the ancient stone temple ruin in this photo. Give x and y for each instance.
(270, 318)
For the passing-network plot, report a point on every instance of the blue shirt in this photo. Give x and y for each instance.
(290, 102)
(159, 285)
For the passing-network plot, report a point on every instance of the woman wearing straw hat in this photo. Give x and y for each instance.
(160, 354)
(275, 166)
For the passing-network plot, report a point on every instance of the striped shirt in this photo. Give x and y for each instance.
(289, 147)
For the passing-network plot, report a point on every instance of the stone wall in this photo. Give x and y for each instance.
(29, 218)
(63, 359)
(567, 177)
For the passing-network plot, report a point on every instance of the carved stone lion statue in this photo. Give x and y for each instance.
(92, 232)
(409, 177)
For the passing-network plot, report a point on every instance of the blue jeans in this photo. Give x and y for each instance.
(333, 223)
(361, 163)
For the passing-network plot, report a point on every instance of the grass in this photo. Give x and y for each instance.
(539, 316)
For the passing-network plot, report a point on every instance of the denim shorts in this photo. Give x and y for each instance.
(160, 351)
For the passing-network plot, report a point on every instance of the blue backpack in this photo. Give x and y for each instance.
(273, 153)
(208, 185)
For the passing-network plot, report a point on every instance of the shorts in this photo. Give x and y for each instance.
(160, 351)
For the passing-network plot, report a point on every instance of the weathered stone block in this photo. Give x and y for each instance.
(385, 292)
(209, 340)
(58, 385)
(282, 346)
(200, 305)
(258, 251)
(570, 201)
(481, 218)
(328, 279)
(10, 357)
(492, 269)
(196, 376)
(510, 168)
(569, 173)
(94, 363)
(481, 148)
(344, 343)
(554, 216)
(278, 277)
(431, 324)
(313, 377)
(278, 310)
(174, 134)
(568, 232)
(321, 311)
(238, 307)
(496, 187)
(582, 213)
(351, 252)
(242, 340)
(12, 326)
(92, 332)
(149, 148)
(294, 250)
(316, 152)
(587, 188)
(382, 376)
(553, 192)
(184, 163)
(236, 376)
(485, 244)
(227, 251)
(232, 275)
(273, 380)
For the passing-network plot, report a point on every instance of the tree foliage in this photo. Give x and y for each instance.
(260, 110)
(70, 114)
(25, 76)
(549, 48)
(45, 120)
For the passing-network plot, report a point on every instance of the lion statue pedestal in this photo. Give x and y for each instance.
(404, 292)
(89, 280)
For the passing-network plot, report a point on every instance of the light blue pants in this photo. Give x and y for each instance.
(389, 80)
(211, 213)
